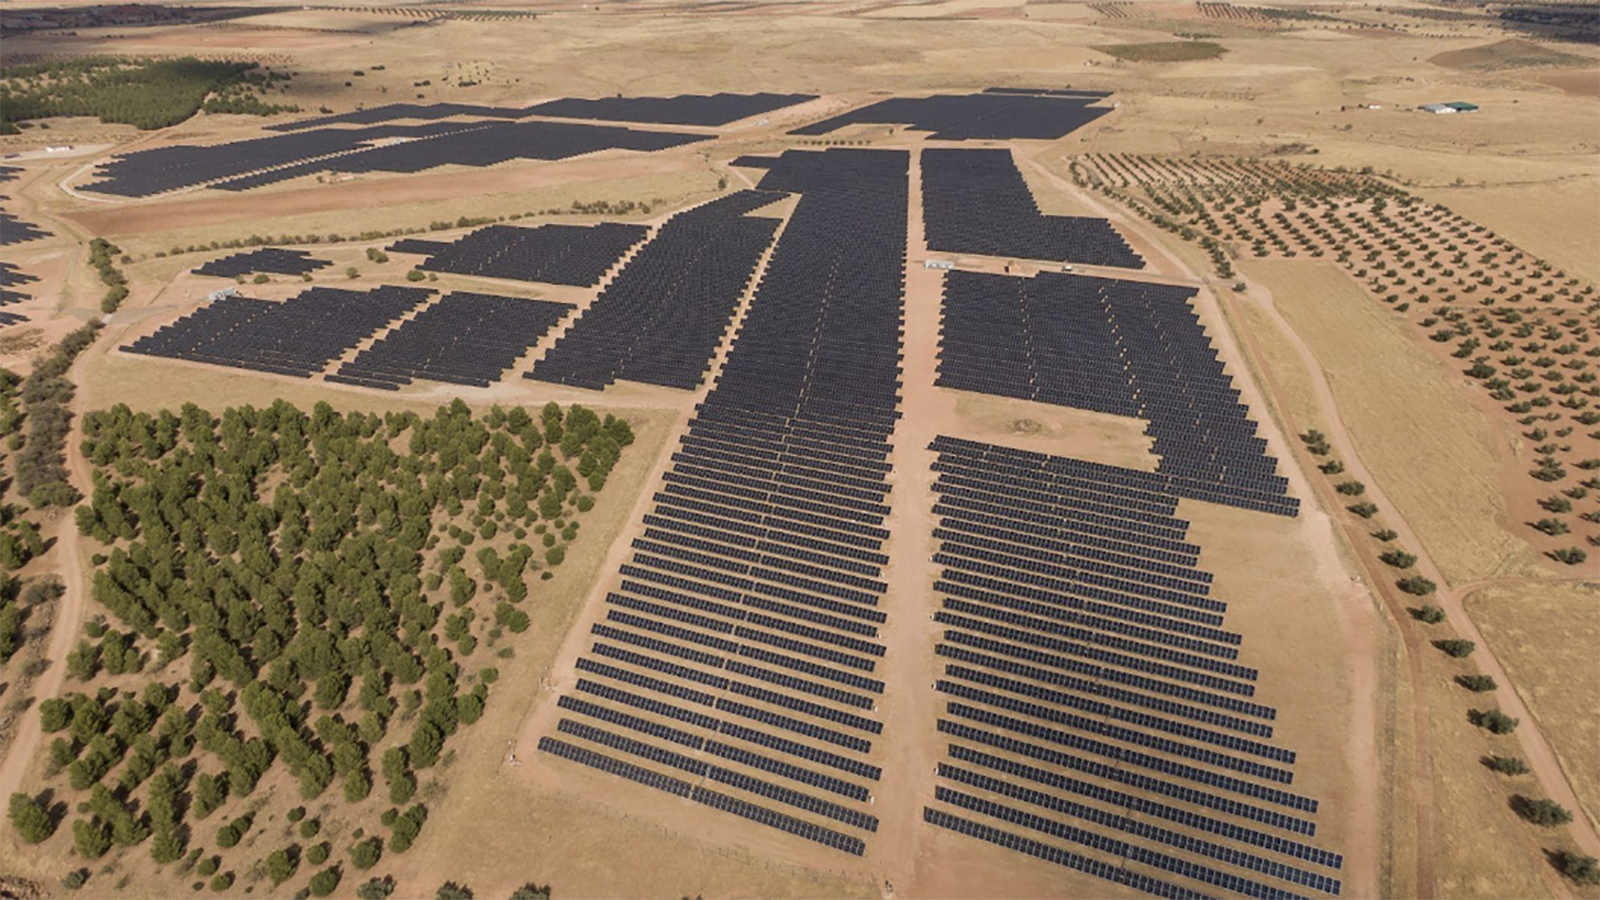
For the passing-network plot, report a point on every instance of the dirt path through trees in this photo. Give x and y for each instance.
(69, 610)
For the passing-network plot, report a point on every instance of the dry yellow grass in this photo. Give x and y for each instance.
(1433, 451)
(1548, 638)
(1559, 221)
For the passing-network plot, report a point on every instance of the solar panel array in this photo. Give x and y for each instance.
(267, 259)
(11, 276)
(393, 112)
(553, 254)
(1120, 347)
(1052, 92)
(465, 338)
(736, 664)
(959, 117)
(975, 201)
(241, 165)
(296, 337)
(15, 229)
(8, 318)
(477, 144)
(684, 109)
(1094, 697)
(663, 316)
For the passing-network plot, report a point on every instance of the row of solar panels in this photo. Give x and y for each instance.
(1086, 707)
(751, 592)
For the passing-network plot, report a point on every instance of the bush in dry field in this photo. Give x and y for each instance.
(1416, 585)
(1456, 647)
(1398, 558)
(1543, 812)
(1494, 720)
(1479, 684)
(1507, 765)
(1581, 869)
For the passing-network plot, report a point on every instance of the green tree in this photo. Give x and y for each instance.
(1581, 869)
(282, 863)
(365, 854)
(30, 819)
(1495, 721)
(92, 837)
(325, 882)
(1507, 765)
(1543, 812)
(375, 889)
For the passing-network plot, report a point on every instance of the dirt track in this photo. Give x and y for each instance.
(69, 611)
(1540, 757)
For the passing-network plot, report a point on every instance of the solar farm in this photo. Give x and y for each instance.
(741, 464)
(1091, 707)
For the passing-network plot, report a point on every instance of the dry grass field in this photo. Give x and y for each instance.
(1380, 727)
(1413, 418)
(1549, 637)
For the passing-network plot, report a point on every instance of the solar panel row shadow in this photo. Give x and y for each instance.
(975, 201)
(684, 109)
(987, 116)
(1097, 709)
(297, 337)
(465, 338)
(276, 260)
(1120, 347)
(663, 316)
(741, 645)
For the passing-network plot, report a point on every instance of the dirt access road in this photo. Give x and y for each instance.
(1540, 757)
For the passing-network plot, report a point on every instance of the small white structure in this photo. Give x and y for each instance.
(223, 294)
(938, 264)
(1438, 109)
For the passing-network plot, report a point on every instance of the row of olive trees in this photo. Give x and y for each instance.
(1541, 811)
